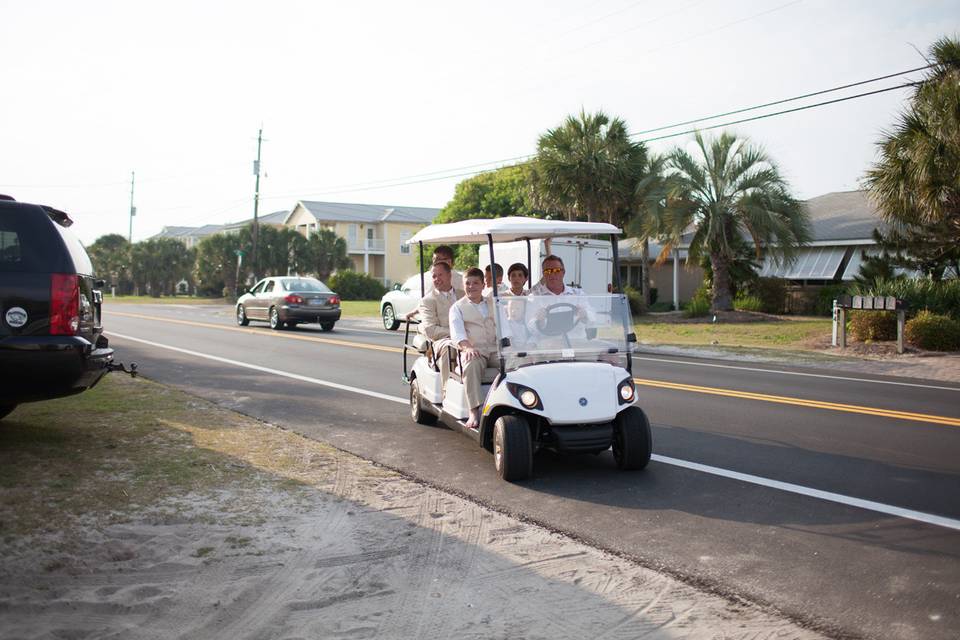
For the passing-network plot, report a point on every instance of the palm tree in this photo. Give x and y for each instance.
(588, 168)
(731, 191)
(650, 196)
(915, 183)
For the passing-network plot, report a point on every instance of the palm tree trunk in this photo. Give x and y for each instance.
(722, 300)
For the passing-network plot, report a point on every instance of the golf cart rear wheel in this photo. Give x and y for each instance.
(632, 440)
(512, 448)
(417, 412)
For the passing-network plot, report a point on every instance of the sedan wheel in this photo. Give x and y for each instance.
(390, 322)
(242, 318)
(275, 323)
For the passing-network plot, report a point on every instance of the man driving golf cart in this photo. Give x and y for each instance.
(562, 381)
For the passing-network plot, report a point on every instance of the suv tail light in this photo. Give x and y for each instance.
(333, 300)
(293, 299)
(64, 304)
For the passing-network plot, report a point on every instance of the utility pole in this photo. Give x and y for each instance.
(256, 206)
(133, 209)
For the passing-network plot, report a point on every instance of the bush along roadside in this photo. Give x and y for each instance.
(932, 331)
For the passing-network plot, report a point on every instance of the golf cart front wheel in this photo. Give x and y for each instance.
(417, 412)
(512, 448)
(632, 440)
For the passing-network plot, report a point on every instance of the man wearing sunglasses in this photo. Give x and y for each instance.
(552, 285)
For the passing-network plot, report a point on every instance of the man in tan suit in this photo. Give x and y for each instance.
(473, 330)
(434, 313)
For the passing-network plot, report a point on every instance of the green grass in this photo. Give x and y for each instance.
(360, 308)
(102, 452)
(785, 334)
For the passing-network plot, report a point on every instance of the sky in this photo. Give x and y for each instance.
(356, 97)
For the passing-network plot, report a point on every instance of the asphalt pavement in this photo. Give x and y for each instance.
(826, 493)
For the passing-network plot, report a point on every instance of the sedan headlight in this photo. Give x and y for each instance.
(527, 396)
(626, 392)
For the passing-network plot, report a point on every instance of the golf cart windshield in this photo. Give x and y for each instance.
(557, 328)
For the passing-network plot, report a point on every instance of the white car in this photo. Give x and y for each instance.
(401, 300)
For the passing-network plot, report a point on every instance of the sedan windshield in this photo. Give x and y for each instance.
(304, 284)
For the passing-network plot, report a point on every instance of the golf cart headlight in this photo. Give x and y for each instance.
(527, 396)
(627, 391)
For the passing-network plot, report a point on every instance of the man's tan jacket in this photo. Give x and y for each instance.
(435, 313)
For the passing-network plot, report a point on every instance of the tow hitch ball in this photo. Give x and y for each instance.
(119, 367)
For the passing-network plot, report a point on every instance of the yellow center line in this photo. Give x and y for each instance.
(818, 404)
(272, 334)
(730, 393)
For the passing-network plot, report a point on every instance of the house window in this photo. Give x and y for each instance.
(404, 247)
(352, 236)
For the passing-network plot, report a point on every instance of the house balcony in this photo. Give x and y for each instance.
(366, 245)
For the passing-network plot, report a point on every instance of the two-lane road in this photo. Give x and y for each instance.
(832, 497)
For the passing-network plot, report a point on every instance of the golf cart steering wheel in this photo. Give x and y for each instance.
(561, 318)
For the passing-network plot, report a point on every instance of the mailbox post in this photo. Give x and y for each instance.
(866, 303)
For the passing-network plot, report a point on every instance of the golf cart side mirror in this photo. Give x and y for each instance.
(631, 337)
(396, 286)
(99, 283)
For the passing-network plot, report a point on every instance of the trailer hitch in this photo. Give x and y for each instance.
(119, 367)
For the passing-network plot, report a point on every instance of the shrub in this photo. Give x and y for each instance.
(635, 298)
(939, 297)
(748, 303)
(699, 305)
(660, 307)
(351, 285)
(696, 308)
(933, 331)
(825, 297)
(873, 325)
(772, 293)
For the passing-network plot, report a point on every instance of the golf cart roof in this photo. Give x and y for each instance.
(475, 231)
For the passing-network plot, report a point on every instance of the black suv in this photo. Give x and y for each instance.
(51, 341)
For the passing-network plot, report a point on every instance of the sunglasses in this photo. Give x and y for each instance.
(549, 271)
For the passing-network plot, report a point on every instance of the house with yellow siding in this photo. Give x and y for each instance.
(376, 235)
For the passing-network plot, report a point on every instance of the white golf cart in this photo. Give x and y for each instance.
(563, 378)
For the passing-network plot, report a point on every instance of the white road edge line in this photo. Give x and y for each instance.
(869, 505)
(794, 373)
(276, 372)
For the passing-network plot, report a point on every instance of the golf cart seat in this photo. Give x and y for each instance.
(489, 375)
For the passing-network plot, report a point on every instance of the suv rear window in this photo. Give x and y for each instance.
(9, 247)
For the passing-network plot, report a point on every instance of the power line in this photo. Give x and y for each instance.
(780, 113)
(785, 100)
(408, 180)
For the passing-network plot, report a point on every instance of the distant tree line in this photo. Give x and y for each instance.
(219, 265)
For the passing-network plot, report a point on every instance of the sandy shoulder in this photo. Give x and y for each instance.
(284, 537)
